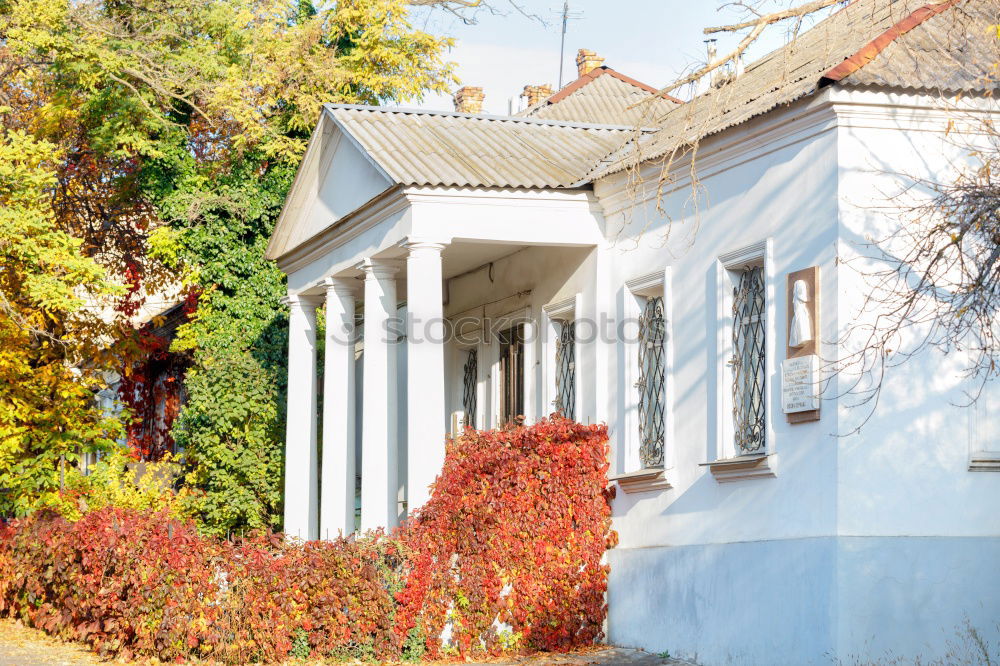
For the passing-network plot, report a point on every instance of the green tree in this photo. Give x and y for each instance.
(232, 425)
(50, 333)
(181, 124)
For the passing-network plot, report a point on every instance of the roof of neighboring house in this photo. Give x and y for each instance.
(915, 44)
(416, 147)
(603, 95)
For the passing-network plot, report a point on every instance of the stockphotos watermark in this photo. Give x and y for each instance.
(470, 331)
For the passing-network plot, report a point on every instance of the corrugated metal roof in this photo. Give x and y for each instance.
(798, 70)
(415, 147)
(603, 96)
(953, 52)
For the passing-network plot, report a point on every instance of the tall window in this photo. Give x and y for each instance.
(652, 383)
(748, 360)
(470, 377)
(985, 446)
(511, 374)
(566, 370)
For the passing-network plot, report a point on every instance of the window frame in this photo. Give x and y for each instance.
(484, 396)
(645, 367)
(729, 266)
(517, 393)
(555, 315)
(490, 351)
(465, 356)
(656, 284)
(984, 431)
(566, 349)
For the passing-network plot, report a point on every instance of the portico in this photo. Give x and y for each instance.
(401, 348)
(377, 248)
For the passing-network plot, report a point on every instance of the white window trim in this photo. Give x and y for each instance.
(984, 452)
(553, 315)
(482, 381)
(636, 478)
(728, 464)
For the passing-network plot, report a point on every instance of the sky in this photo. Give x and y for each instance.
(653, 41)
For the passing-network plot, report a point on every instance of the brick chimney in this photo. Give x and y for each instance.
(587, 61)
(536, 94)
(469, 99)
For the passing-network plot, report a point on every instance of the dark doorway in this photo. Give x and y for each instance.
(511, 374)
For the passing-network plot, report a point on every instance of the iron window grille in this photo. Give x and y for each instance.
(470, 378)
(652, 383)
(565, 402)
(748, 361)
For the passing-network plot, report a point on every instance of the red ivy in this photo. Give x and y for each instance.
(514, 533)
(152, 387)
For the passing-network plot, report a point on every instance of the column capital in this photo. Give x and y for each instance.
(339, 286)
(423, 244)
(300, 301)
(377, 269)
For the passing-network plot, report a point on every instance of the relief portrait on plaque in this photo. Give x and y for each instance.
(801, 329)
(800, 374)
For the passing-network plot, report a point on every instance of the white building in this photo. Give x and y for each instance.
(747, 534)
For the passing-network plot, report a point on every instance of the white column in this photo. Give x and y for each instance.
(426, 417)
(530, 380)
(379, 473)
(301, 506)
(336, 514)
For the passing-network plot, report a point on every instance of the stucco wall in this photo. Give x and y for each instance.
(918, 529)
(919, 436)
(718, 603)
(864, 544)
(787, 194)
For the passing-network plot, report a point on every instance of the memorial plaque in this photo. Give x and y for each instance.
(800, 384)
(802, 336)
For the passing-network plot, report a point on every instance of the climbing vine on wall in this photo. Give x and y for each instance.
(152, 386)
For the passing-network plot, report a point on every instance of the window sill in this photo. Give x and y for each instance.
(984, 461)
(753, 466)
(643, 481)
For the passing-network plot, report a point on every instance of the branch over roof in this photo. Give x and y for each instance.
(940, 46)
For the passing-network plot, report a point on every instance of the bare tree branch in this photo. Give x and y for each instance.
(758, 26)
(773, 17)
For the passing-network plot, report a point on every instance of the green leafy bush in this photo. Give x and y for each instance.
(118, 480)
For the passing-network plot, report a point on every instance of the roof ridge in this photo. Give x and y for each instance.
(873, 48)
(480, 116)
(593, 74)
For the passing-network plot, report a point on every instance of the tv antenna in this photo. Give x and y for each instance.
(567, 15)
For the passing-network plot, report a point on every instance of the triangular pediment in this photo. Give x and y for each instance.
(335, 178)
